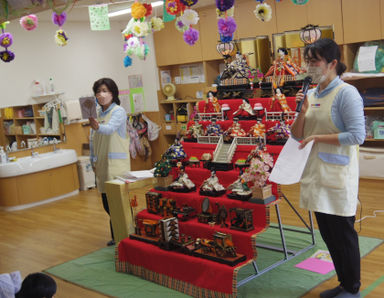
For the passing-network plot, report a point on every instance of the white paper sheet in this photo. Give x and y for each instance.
(291, 162)
(366, 58)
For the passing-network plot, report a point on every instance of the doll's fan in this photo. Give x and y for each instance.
(169, 91)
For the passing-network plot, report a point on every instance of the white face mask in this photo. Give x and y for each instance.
(104, 98)
(316, 73)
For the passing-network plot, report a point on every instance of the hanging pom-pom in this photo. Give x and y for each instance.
(6, 39)
(141, 29)
(157, 23)
(191, 36)
(189, 17)
(227, 26)
(7, 56)
(263, 12)
(189, 3)
(127, 61)
(29, 22)
(224, 5)
(148, 8)
(173, 7)
(180, 26)
(61, 38)
(228, 13)
(138, 10)
(59, 19)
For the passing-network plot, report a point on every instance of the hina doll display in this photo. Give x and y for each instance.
(234, 130)
(281, 99)
(281, 67)
(212, 186)
(278, 134)
(257, 130)
(239, 190)
(212, 106)
(176, 151)
(194, 131)
(182, 183)
(213, 129)
(245, 111)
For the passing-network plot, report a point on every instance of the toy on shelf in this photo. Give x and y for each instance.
(241, 219)
(193, 161)
(213, 129)
(184, 213)
(239, 190)
(153, 202)
(257, 130)
(234, 130)
(245, 111)
(206, 158)
(175, 152)
(167, 207)
(213, 105)
(194, 131)
(221, 249)
(162, 170)
(146, 230)
(221, 215)
(211, 186)
(206, 215)
(278, 134)
(182, 182)
(282, 100)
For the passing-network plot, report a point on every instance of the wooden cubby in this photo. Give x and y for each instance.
(11, 126)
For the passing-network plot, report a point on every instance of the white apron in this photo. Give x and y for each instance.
(330, 180)
(111, 152)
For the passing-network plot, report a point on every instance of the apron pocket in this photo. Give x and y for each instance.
(333, 170)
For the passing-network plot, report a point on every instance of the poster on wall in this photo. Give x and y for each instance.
(125, 101)
(137, 99)
(135, 81)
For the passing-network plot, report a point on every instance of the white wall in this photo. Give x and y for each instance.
(88, 56)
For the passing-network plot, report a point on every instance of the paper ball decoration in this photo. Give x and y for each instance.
(6, 39)
(263, 12)
(173, 7)
(180, 26)
(148, 8)
(7, 56)
(59, 19)
(189, 17)
(29, 22)
(138, 10)
(140, 29)
(61, 38)
(127, 61)
(157, 23)
(189, 3)
(191, 36)
(224, 5)
(227, 26)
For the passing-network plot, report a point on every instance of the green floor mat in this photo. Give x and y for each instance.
(96, 271)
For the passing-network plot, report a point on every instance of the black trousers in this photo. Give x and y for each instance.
(341, 238)
(106, 208)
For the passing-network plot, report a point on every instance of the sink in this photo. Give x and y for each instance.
(41, 162)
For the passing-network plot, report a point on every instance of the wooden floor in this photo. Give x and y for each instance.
(40, 237)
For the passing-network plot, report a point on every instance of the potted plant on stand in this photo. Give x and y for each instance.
(257, 174)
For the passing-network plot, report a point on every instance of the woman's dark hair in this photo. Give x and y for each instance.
(37, 285)
(111, 85)
(325, 48)
(246, 99)
(284, 50)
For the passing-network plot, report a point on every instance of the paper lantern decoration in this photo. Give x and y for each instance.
(310, 33)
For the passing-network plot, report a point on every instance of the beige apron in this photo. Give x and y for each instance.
(330, 180)
(111, 152)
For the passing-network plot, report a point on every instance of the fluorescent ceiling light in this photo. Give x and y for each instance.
(128, 10)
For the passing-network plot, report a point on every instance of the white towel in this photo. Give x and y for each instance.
(10, 284)
(73, 110)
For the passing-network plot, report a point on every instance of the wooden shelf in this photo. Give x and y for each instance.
(350, 76)
(374, 109)
(374, 140)
(180, 101)
(24, 118)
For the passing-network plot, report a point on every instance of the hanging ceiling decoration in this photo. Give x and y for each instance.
(226, 26)
(137, 29)
(263, 11)
(6, 40)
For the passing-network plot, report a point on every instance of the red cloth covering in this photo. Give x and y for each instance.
(194, 271)
(266, 102)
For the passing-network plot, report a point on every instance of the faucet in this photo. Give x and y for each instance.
(55, 142)
(33, 152)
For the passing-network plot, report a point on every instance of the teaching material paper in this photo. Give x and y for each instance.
(319, 262)
(291, 162)
(98, 17)
(366, 58)
(88, 107)
(133, 176)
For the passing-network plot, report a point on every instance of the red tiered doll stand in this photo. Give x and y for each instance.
(189, 274)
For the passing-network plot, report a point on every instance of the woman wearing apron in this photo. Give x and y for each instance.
(332, 115)
(109, 140)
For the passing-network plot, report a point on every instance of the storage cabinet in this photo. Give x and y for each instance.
(22, 123)
(362, 20)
